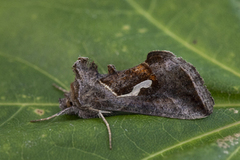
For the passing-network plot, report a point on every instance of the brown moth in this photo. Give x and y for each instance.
(164, 85)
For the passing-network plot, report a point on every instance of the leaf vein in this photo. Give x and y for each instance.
(160, 26)
(233, 153)
(35, 67)
(19, 110)
(191, 139)
(131, 139)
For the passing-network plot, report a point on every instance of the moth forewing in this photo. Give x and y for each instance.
(163, 85)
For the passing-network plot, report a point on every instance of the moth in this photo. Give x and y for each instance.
(163, 85)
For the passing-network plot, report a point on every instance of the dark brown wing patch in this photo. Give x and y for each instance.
(122, 82)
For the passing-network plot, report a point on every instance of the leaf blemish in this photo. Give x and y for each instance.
(6, 147)
(236, 88)
(39, 112)
(142, 30)
(34, 16)
(228, 141)
(126, 27)
(25, 96)
(234, 110)
(118, 34)
(124, 49)
(194, 41)
(38, 98)
(237, 135)
(44, 135)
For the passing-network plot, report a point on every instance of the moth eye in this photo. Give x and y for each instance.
(69, 104)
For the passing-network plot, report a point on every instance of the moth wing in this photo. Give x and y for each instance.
(155, 105)
(177, 91)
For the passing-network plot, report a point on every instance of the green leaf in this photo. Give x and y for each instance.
(40, 40)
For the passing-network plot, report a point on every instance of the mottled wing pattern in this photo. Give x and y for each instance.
(177, 91)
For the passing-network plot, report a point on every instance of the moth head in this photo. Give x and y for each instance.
(65, 102)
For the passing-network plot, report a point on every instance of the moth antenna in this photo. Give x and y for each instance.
(108, 128)
(44, 119)
(60, 88)
(55, 115)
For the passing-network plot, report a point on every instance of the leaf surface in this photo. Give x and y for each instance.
(40, 40)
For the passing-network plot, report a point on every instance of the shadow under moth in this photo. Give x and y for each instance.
(164, 85)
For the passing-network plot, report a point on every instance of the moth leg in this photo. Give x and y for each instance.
(60, 88)
(97, 110)
(107, 125)
(65, 111)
